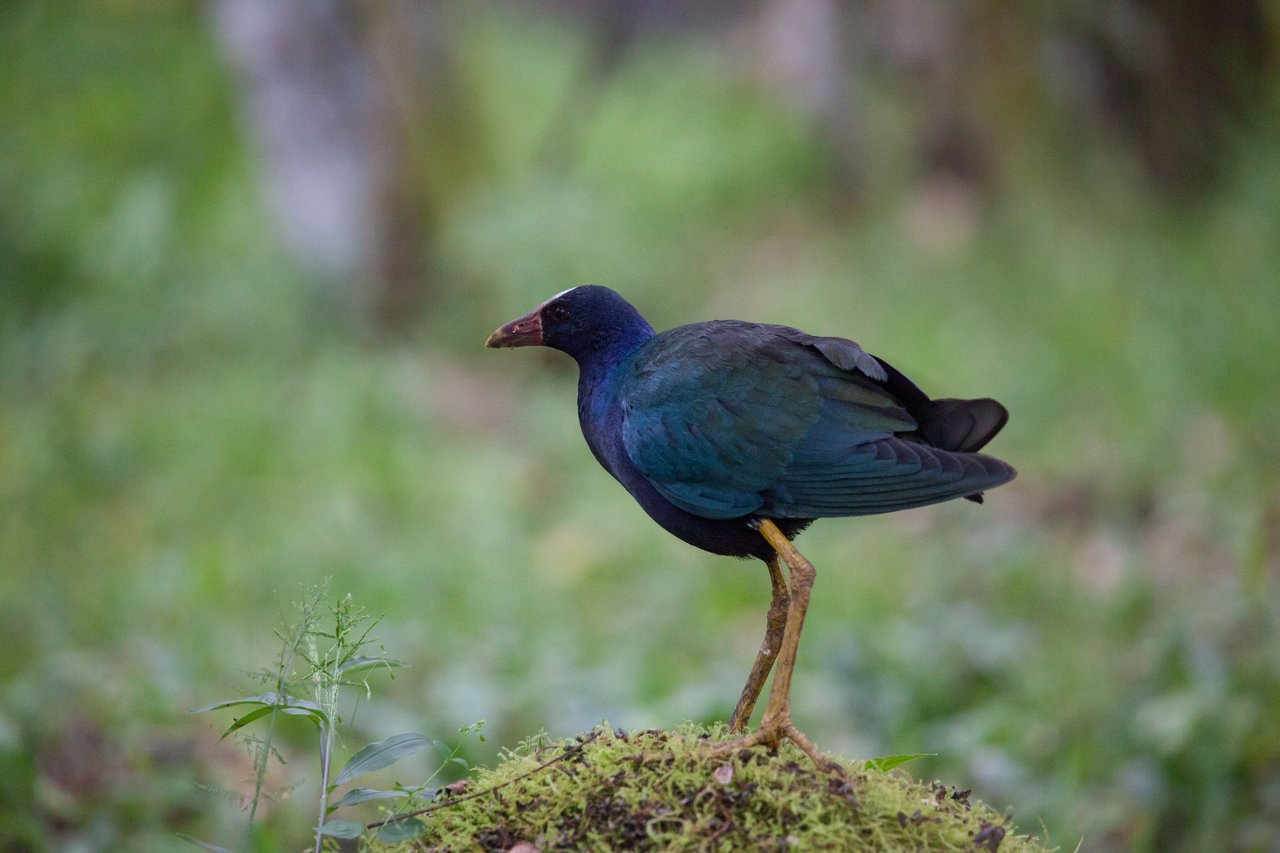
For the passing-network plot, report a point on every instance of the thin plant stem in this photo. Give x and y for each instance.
(326, 749)
(263, 758)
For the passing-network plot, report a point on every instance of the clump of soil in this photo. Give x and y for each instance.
(666, 790)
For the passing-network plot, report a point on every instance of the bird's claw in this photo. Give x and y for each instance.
(771, 735)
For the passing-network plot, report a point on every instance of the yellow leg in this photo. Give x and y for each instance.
(777, 724)
(775, 626)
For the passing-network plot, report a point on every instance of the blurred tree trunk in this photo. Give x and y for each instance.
(806, 51)
(366, 138)
(310, 104)
(361, 136)
(433, 148)
(1176, 77)
(800, 50)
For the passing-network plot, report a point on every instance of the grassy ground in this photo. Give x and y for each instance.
(659, 790)
(190, 437)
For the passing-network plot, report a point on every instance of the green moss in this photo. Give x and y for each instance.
(660, 790)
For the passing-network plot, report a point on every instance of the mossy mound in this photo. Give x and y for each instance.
(661, 790)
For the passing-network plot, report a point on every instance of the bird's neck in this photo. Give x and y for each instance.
(598, 366)
(608, 345)
(599, 369)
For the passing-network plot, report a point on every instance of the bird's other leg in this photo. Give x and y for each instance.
(777, 724)
(778, 711)
(775, 626)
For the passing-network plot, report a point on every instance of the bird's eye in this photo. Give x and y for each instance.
(558, 313)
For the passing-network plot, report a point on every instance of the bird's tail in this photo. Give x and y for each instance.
(962, 426)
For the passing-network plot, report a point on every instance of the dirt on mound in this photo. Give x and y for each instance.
(669, 790)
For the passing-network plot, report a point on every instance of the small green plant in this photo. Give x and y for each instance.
(324, 662)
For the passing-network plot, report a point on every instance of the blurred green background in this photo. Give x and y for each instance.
(249, 253)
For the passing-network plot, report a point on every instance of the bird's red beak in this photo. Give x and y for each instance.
(523, 331)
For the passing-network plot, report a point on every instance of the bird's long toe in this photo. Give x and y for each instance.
(771, 734)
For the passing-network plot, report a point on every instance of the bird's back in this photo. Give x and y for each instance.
(729, 419)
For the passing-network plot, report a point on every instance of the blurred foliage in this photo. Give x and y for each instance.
(190, 432)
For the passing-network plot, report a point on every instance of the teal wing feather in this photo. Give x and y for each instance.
(728, 419)
(881, 476)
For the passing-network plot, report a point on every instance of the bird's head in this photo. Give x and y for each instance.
(578, 321)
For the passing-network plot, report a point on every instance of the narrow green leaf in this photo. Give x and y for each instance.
(286, 703)
(268, 702)
(241, 722)
(320, 716)
(364, 795)
(889, 762)
(360, 663)
(247, 700)
(205, 844)
(268, 698)
(377, 755)
(401, 830)
(339, 828)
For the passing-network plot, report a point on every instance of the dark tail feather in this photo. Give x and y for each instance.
(963, 426)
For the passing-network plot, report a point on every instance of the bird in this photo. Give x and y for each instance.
(735, 436)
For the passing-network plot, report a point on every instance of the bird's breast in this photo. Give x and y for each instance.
(600, 416)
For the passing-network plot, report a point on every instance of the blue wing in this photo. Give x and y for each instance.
(882, 476)
(729, 419)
